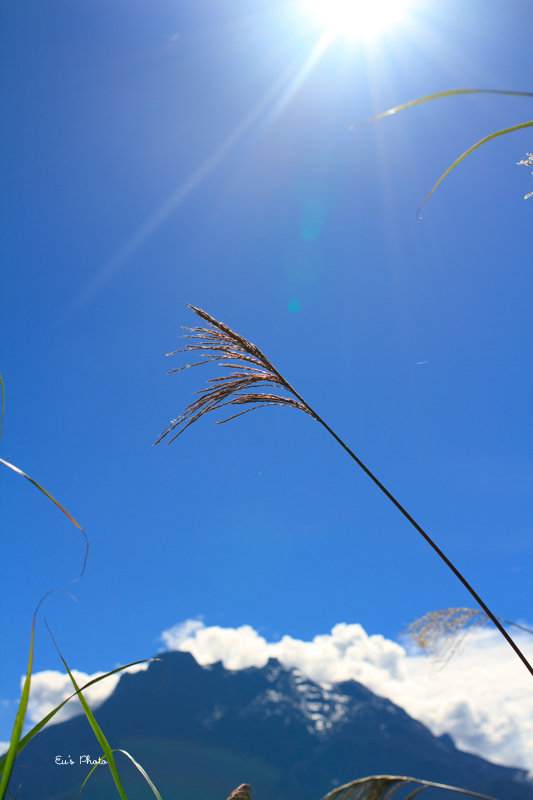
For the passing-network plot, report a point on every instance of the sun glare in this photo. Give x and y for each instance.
(356, 19)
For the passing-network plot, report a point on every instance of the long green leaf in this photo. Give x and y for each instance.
(141, 770)
(57, 503)
(45, 720)
(94, 725)
(452, 93)
(513, 128)
(9, 758)
(437, 96)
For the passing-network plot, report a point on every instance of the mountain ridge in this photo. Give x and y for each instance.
(199, 731)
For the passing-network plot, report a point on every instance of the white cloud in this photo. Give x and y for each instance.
(49, 688)
(482, 697)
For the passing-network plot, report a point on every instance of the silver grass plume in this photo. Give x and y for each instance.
(383, 787)
(252, 369)
(441, 633)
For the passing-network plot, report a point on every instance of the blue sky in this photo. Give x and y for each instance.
(162, 153)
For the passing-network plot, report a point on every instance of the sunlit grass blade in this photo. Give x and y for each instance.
(56, 502)
(45, 720)
(141, 770)
(383, 787)
(9, 758)
(437, 96)
(94, 725)
(42, 489)
(513, 128)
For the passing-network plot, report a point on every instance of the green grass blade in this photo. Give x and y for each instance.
(57, 503)
(471, 150)
(143, 773)
(141, 770)
(43, 490)
(45, 720)
(9, 758)
(94, 725)
(90, 773)
(437, 96)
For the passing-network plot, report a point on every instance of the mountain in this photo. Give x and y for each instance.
(201, 731)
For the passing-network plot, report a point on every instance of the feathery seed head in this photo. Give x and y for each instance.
(251, 369)
(242, 792)
(442, 632)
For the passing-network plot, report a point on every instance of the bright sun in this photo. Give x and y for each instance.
(361, 19)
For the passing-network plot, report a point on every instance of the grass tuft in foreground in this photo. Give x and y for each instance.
(17, 742)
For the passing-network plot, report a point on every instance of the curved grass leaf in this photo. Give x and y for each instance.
(451, 93)
(104, 744)
(57, 503)
(141, 770)
(513, 128)
(437, 96)
(45, 720)
(383, 787)
(6, 763)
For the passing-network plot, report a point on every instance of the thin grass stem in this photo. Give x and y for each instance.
(231, 390)
(423, 533)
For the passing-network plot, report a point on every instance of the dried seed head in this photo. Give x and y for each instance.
(251, 369)
(242, 792)
(442, 632)
(385, 787)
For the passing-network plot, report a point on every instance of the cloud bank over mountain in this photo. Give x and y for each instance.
(481, 697)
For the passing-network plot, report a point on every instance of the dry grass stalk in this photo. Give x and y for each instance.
(251, 370)
(242, 792)
(219, 343)
(441, 633)
(383, 787)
